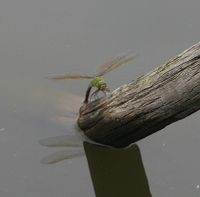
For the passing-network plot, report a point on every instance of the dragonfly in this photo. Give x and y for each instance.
(96, 80)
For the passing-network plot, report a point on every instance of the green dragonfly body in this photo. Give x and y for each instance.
(96, 80)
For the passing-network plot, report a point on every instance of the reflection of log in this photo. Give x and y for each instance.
(138, 109)
(117, 171)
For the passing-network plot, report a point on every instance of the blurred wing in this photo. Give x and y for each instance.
(117, 61)
(62, 155)
(72, 75)
(62, 141)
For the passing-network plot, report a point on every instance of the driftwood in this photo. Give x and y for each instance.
(146, 105)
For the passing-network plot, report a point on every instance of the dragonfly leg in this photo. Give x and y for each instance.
(106, 90)
(94, 94)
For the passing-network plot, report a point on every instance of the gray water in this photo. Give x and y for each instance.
(38, 38)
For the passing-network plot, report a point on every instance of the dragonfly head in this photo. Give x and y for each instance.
(102, 85)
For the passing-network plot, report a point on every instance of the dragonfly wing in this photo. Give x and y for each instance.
(62, 155)
(117, 61)
(62, 141)
(72, 75)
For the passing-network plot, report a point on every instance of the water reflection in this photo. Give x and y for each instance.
(117, 171)
(62, 141)
(74, 144)
(66, 114)
(114, 171)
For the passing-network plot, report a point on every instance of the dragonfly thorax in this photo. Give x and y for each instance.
(99, 83)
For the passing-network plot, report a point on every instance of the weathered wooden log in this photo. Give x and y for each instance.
(146, 105)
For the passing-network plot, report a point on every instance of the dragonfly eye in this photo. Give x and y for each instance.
(103, 87)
